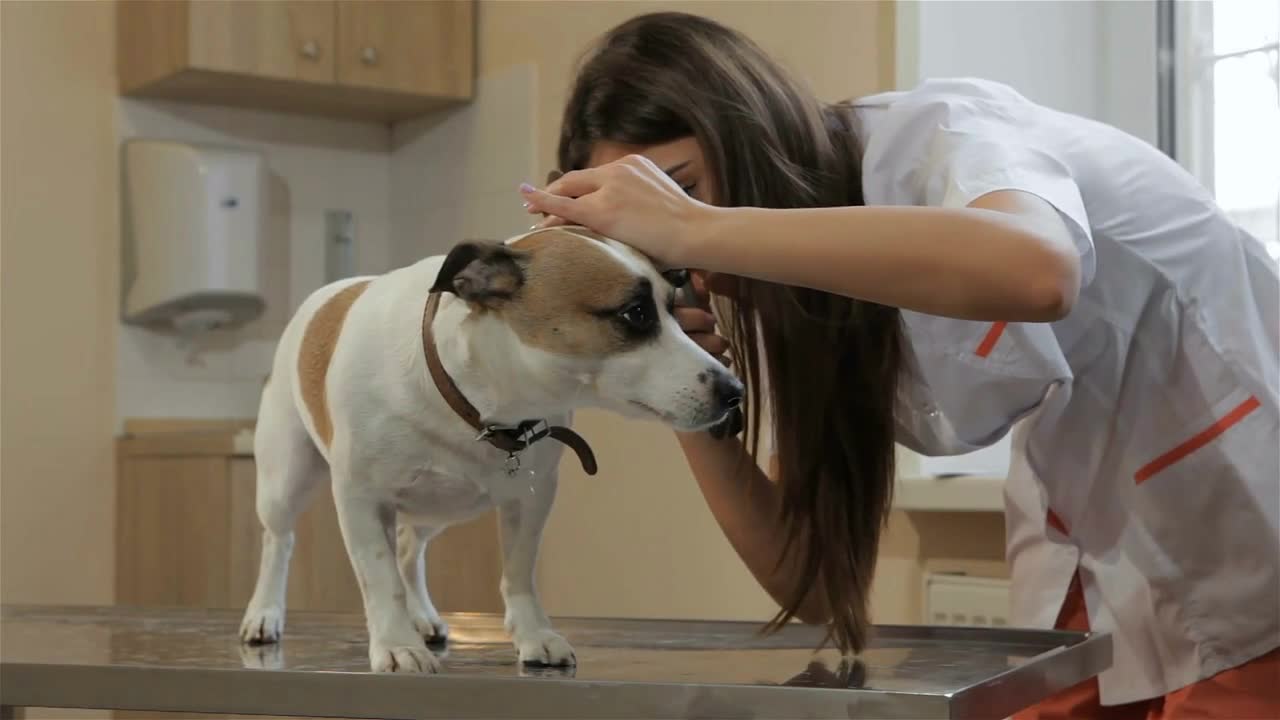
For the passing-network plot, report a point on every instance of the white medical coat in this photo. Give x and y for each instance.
(1147, 453)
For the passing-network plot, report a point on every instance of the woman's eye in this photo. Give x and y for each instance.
(688, 189)
(638, 316)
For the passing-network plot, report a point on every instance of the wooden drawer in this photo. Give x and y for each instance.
(188, 535)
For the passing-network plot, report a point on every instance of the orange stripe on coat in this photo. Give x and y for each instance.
(1053, 520)
(1204, 437)
(989, 342)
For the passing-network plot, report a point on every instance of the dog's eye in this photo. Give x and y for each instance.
(638, 316)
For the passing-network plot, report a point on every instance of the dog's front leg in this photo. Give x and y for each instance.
(411, 547)
(530, 628)
(368, 529)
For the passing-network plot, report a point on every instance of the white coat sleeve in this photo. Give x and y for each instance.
(968, 382)
(947, 150)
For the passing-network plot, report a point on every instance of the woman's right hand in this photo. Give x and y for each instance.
(631, 200)
(699, 323)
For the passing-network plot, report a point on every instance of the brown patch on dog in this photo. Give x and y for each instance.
(318, 343)
(570, 278)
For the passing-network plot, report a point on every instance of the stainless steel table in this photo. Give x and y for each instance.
(184, 660)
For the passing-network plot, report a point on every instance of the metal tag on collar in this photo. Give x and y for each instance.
(512, 464)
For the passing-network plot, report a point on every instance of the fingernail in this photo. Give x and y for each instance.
(526, 188)
(525, 205)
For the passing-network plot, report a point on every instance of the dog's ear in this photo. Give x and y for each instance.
(485, 273)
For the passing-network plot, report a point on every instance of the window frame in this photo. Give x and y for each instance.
(1185, 67)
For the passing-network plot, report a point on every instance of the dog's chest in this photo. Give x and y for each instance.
(438, 496)
(441, 497)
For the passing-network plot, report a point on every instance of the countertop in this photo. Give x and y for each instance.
(192, 661)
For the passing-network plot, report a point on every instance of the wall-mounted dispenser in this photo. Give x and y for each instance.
(194, 219)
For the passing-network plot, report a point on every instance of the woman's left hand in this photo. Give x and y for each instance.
(630, 200)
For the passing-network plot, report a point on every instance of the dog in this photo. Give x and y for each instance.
(438, 391)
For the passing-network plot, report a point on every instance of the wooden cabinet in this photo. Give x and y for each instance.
(282, 40)
(187, 534)
(405, 47)
(367, 59)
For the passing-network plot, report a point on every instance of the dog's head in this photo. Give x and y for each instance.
(595, 326)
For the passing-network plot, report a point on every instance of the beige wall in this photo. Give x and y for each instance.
(836, 46)
(58, 300)
(220, 375)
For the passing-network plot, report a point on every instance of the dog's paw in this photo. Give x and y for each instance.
(433, 631)
(260, 656)
(544, 647)
(262, 626)
(402, 659)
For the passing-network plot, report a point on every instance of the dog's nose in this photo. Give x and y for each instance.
(728, 391)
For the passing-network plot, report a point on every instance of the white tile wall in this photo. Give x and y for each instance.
(415, 190)
(455, 176)
(1046, 50)
(314, 165)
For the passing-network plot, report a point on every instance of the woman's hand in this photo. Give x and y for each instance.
(700, 325)
(631, 200)
(698, 322)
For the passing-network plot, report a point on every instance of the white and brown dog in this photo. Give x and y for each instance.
(438, 391)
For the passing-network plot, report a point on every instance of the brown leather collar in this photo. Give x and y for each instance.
(510, 439)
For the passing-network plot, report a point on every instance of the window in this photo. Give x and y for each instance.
(1221, 104)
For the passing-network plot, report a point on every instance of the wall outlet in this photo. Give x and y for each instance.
(951, 599)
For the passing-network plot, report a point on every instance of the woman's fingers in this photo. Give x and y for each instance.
(713, 344)
(694, 320)
(698, 279)
(541, 201)
(576, 183)
(700, 326)
(550, 221)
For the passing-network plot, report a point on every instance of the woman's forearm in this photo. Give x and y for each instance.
(1007, 257)
(745, 503)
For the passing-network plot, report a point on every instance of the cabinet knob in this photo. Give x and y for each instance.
(310, 50)
(369, 56)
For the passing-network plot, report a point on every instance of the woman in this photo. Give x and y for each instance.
(931, 267)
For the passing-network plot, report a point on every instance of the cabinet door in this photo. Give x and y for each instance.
(172, 532)
(422, 47)
(281, 40)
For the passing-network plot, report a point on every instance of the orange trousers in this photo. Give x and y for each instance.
(1248, 692)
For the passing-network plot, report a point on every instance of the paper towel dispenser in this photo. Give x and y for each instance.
(193, 224)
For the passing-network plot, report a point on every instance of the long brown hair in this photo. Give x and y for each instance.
(832, 362)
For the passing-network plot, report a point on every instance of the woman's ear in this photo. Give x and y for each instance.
(485, 273)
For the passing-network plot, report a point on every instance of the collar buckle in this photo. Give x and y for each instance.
(531, 431)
